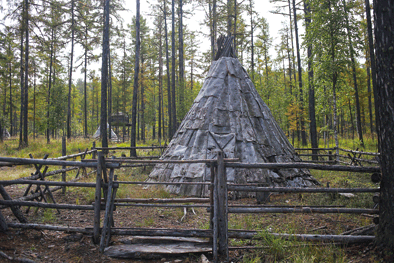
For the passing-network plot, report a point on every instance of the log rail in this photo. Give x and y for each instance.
(217, 204)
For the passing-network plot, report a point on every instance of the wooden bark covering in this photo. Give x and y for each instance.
(228, 115)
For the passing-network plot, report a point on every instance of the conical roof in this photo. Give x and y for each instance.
(229, 114)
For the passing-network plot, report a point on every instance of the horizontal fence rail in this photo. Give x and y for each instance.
(305, 166)
(83, 163)
(306, 210)
(217, 204)
(246, 188)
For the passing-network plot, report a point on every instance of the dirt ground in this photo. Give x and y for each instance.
(57, 246)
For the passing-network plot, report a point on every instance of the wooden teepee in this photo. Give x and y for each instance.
(228, 114)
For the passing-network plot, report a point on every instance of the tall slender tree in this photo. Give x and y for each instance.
(169, 100)
(301, 99)
(71, 73)
(311, 88)
(104, 76)
(173, 104)
(133, 151)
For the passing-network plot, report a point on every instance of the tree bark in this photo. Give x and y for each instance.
(228, 17)
(22, 80)
(168, 74)
(26, 83)
(84, 84)
(303, 133)
(71, 73)
(173, 110)
(371, 53)
(11, 108)
(312, 115)
(34, 100)
(49, 85)
(109, 94)
(181, 63)
(384, 103)
(104, 77)
(358, 114)
(142, 109)
(160, 77)
(251, 35)
(133, 152)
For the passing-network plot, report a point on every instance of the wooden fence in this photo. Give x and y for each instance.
(217, 203)
(344, 156)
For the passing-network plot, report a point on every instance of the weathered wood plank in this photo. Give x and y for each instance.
(155, 251)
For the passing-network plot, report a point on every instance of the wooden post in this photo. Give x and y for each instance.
(97, 202)
(64, 153)
(107, 223)
(222, 206)
(3, 223)
(111, 211)
(94, 152)
(15, 209)
(215, 213)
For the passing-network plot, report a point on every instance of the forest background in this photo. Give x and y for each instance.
(318, 84)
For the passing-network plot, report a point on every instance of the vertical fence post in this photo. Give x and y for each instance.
(214, 211)
(222, 206)
(107, 220)
(3, 223)
(64, 153)
(94, 152)
(97, 203)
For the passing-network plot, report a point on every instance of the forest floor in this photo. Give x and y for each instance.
(57, 246)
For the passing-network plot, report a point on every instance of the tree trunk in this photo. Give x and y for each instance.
(312, 115)
(384, 103)
(235, 27)
(104, 77)
(11, 108)
(169, 101)
(133, 152)
(84, 84)
(251, 39)
(173, 110)
(181, 64)
(142, 109)
(26, 91)
(303, 133)
(34, 101)
(22, 109)
(371, 54)
(109, 95)
(228, 17)
(160, 77)
(358, 114)
(71, 73)
(369, 97)
(214, 27)
(49, 86)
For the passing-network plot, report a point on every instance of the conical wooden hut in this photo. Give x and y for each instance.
(228, 114)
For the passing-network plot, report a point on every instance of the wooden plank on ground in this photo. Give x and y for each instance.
(155, 251)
